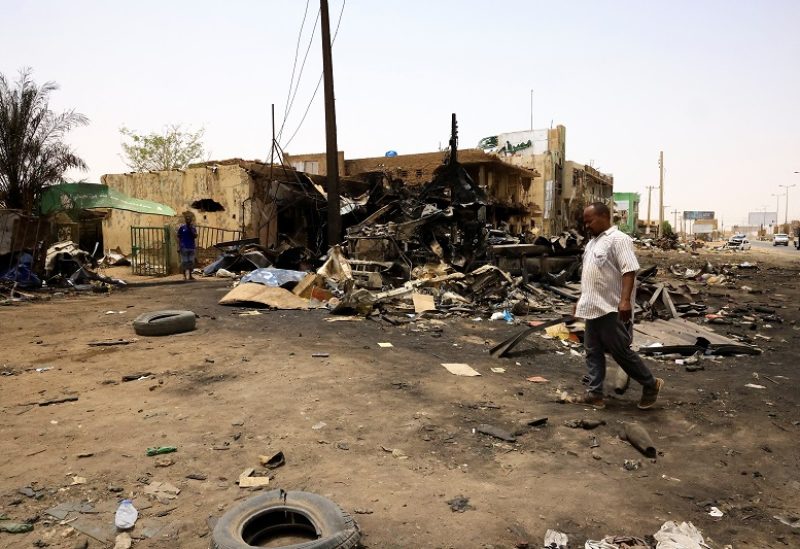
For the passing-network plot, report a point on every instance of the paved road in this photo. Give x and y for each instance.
(790, 249)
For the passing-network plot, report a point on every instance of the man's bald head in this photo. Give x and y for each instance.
(597, 218)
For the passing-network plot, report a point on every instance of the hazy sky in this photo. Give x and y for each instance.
(714, 84)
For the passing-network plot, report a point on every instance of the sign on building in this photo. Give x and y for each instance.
(695, 215)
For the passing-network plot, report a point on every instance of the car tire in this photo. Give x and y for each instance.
(277, 512)
(161, 323)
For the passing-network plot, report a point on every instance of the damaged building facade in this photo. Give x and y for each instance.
(509, 188)
(565, 187)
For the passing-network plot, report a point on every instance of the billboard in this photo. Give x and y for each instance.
(762, 218)
(695, 215)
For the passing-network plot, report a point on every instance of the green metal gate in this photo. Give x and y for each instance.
(150, 250)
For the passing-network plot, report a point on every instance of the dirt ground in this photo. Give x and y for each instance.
(242, 386)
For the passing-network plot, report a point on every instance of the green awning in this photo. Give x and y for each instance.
(86, 196)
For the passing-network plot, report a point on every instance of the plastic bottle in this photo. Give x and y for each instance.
(126, 515)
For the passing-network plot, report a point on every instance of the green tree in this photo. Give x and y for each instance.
(33, 153)
(666, 228)
(172, 149)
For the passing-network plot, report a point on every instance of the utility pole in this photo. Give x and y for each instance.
(649, 195)
(786, 218)
(777, 209)
(332, 149)
(660, 190)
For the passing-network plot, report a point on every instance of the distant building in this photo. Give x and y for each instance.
(525, 173)
(626, 212)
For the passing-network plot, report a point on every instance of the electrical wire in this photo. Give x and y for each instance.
(294, 64)
(300, 74)
(319, 82)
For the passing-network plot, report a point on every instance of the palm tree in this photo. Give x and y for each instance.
(33, 154)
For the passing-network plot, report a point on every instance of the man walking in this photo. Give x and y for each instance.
(187, 237)
(606, 303)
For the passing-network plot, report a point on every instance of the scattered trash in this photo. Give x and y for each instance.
(498, 370)
(755, 386)
(246, 480)
(679, 536)
(61, 400)
(136, 376)
(632, 464)
(504, 347)
(460, 369)
(423, 302)
(792, 521)
(496, 432)
(318, 426)
(158, 450)
(126, 515)
(672, 479)
(639, 439)
(274, 461)
(76, 480)
(111, 342)
(555, 540)
(587, 424)
(385, 345)
(320, 355)
(537, 422)
(459, 504)
(11, 527)
(537, 379)
(716, 513)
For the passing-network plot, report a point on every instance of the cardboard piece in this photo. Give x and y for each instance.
(307, 285)
(460, 369)
(247, 481)
(423, 302)
(277, 298)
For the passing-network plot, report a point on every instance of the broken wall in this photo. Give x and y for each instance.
(227, 186)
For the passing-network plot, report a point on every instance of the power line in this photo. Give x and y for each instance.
(319, 82)
(300, 75)
(294, 64)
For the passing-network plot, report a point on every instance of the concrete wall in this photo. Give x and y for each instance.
(229, 185)
(314, 163)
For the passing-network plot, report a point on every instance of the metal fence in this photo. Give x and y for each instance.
(150, 250)
(208, 236)
(153, 249)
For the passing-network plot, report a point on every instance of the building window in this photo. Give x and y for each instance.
(418, 173)
(312, 167)
(402, 173)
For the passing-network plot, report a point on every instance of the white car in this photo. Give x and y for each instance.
(780, 239)
(738, 242)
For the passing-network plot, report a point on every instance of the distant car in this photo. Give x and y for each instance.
(738, 242)
(780, 239)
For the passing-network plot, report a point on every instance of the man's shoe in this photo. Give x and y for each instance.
(590, 399)
(650, 394)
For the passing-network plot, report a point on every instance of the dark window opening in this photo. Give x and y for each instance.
(208, 205)
(419, 173)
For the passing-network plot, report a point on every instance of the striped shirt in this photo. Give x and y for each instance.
(606, 258)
